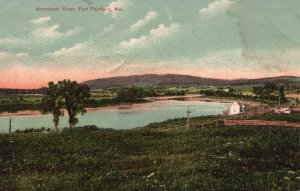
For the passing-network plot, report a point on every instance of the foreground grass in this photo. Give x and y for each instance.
(156, 157)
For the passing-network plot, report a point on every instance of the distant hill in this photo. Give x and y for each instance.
(167, 80)
(176, 80)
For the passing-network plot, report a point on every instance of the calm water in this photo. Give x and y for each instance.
(121, 118)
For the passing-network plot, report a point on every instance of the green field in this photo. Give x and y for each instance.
(14, 103)
(160, 156)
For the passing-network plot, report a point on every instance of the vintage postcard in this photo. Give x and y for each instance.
(149, 95)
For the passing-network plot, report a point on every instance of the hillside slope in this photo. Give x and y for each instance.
(173, 79)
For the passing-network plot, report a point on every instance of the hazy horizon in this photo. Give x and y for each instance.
(147, 74)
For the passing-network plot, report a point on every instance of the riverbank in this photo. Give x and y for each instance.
(20, 113)
(36, 112)
(160, 156)
(125, 116)
(204, 98)
(140, 104)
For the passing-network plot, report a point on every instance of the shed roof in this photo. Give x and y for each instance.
(239, 103)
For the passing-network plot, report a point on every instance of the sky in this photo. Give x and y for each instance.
(226, 39)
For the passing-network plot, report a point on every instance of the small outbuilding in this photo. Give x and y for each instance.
(234, 108)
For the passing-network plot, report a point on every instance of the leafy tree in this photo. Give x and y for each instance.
(141, 93)
(257, 90)
(75, 97)
(121, 94)
(269, 88)
(282, 94)
(266, 91)
(21, 98)
(52, 103)
(231, 92)
(150, 93)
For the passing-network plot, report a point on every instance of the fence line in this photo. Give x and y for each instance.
(221, 121)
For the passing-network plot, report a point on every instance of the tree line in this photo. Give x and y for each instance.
(9, 91)
(265, 92)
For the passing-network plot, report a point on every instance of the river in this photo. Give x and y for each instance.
(121, 117)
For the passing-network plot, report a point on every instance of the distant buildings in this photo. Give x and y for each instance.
(283, 109)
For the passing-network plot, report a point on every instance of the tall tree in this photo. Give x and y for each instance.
(75, 97)
(257, 90)
(264, 92)
(282, 97)
(231, 92)
(52, 103)
(269, 88)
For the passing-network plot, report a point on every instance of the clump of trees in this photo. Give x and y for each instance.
(150, 92)
(65, 95)
(134, 94)
(266, 92)
(131, 94)
(221, 92)
(175, 92)
(282, 94)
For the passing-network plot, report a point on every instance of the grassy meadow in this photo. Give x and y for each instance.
(160, 156)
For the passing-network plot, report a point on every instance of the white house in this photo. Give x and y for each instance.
(235, 108)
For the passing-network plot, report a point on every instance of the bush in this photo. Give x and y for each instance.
(31, 130)
(83, 128)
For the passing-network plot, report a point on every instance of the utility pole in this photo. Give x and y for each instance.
(188, 117)
(9, 129)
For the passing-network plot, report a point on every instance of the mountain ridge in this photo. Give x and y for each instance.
(178, 79)
(167, 80)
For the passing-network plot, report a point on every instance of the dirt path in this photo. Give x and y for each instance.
(260, 123)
